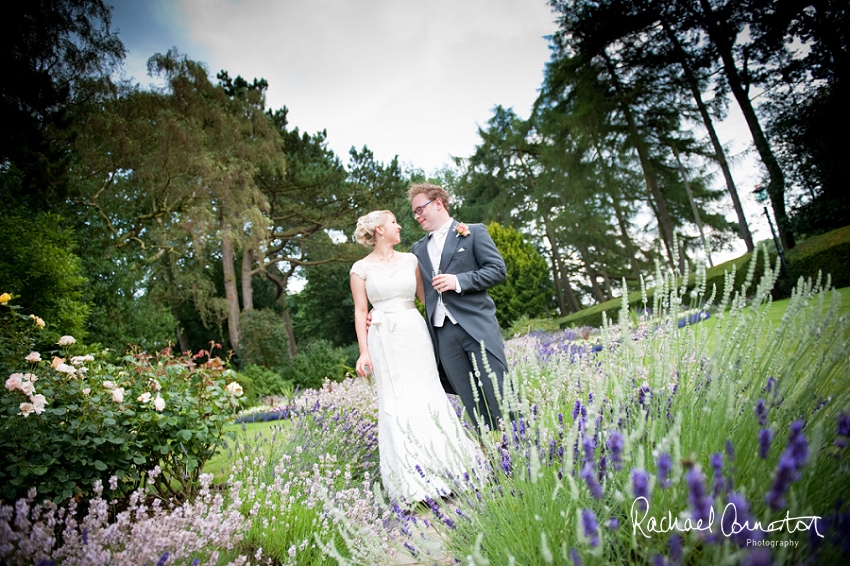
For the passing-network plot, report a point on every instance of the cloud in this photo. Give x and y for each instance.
(412, 79)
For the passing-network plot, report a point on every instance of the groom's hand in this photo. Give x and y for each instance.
(444, 282)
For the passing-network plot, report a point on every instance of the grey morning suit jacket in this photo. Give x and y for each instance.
(478, 266)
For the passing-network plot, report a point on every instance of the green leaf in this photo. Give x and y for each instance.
(100, 465)
(109, 421)
(186, 434)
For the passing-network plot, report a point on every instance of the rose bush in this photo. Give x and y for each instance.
(69, 419)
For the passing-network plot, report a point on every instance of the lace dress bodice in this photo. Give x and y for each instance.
(388, 283)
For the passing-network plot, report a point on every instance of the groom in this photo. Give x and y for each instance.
(469, 264)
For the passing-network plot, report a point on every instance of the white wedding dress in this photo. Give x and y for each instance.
(420, 438)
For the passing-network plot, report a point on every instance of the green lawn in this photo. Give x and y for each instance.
(241, 435)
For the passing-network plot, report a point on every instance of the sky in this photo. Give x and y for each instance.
(407, 78)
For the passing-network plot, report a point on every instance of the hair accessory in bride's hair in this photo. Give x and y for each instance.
(374, 216)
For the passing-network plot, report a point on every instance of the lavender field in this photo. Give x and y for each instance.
(718, 441)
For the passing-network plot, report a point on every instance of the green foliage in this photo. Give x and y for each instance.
(69, 422)
(264, 381)
(528, 290)
(325, 307)
(828, 253)
(263, 341)
(38, 264)
(318, 360)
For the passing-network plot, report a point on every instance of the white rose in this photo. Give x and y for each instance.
(26, 409)
(33, 357)
(67, 340)
(118, 394)
(144, 397)
(27, 387)
(109, 384)
(234, 389)
(86, 390)
(65, 368)
(15, 381)
(159, 403)
(38, 403)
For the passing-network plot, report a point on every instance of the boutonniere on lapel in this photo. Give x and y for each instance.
(462, 230)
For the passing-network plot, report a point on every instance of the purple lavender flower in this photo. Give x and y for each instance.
(590, 526)
(735, 518)
(730, 451)
(791, 461)
(765, 438)
(613, 523)
(85, 535)
(640, 485)
(676, 548)
(589, 446)
(590, 398)
(643, 393)
(665, 464)
(758, 557)
(575, 557)
(698, 498)
(761, 412)
(162, 559)
(842, 429)
(716, 461)
(576, 409)
(588, 476)
(771, 384)
(615, 447)
(506, 462)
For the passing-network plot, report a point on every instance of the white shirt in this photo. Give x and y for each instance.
(436, 243)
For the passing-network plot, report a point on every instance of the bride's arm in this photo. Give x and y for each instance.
(420, 287)
(361, 309)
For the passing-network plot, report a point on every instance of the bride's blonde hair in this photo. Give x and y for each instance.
(364, 233)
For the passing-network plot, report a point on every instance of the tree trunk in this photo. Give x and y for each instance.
(776, 178)
(591, 272)
(613, 194)
(719, 153)
(694, 207)
(247, 289)
(556, 267)
(662, 214)
(230, 291)
(290, 333)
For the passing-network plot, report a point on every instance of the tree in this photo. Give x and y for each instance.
(528, 290)
(55, 54)
(38, 264)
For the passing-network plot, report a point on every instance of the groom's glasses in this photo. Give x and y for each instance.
(418, 210)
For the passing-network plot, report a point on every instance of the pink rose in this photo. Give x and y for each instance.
(15, 381)
(33, 357)
(462, 230)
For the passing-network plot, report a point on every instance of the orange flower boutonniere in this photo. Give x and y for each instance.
(462, 230)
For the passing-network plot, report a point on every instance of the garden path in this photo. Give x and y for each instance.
(429, 544)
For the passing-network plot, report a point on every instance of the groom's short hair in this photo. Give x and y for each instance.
(432, 192)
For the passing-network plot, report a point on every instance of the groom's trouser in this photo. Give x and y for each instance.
(456, 349)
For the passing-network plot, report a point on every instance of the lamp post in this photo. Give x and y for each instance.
(761, 198)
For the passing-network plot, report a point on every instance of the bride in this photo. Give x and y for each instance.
(421, 441)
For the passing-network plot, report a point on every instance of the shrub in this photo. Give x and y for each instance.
(265, 381)
(71, 421)
(263, 339)
(828, 253)
(317, 361)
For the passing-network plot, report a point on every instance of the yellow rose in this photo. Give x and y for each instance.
(5, 298)
(38, 321)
